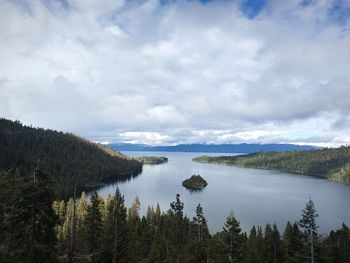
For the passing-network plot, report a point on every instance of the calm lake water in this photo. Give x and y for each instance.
(254, 196)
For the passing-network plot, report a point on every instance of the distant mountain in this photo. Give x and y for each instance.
(68, 159)
(214, 148)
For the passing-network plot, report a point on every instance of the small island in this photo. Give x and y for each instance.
(196, 182)
(151, 159)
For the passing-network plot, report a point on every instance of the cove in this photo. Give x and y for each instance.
(256, 197)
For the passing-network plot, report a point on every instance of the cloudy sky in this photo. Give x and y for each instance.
(179, 71)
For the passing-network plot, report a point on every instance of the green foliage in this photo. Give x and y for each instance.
(68, 159)
(195, 182)
(293, 242)
(310, 227)
(115, 239)
(93, 223)
(198, 238)
(255, 250)
(336, 246)
(34, 228)
(151, 159)
(232, 240)
(274, 247)
(332, 163)
(27, 218)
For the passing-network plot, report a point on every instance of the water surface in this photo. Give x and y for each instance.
(254, 196)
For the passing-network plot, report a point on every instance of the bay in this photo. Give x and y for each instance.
(255, 196)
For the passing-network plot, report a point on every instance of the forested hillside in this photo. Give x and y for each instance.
(68, 159)
(332, 163)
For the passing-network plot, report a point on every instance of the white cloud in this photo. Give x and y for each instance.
(179, 72)
(152, 138)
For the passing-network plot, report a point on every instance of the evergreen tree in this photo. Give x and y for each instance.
(199, 237)
(66, 228)
(115, 243)
(274, 250)
(336, 247)
(177, 223)
(308, 223)
(134, 230)
(104, 251)
(293, 243)
(93, 223)
(255, 250)
(81, 224)
(60, 210)
(29, 219)
(145, 237)
(232, 239)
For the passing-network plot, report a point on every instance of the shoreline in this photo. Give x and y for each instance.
(278, 170)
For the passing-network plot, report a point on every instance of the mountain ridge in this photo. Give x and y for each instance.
(214, 148)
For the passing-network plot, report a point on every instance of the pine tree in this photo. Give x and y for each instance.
(336, 247)
(308, 223)
(157, 218)
(232, 239)
(104, 251)
(199, 237)
(177, 222)
(115, 237)
(29, 219)
(134, 230)
(81, 224)
(93, 223)
(293, 243)
(72, 229)
(60, 210)
(157, 252)
(134, 210)
(255, 246)
(121, 235)
(274, 249)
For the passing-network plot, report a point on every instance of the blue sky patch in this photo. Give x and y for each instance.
(339, 12)
(252, 8)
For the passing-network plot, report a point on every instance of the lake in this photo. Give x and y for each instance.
(254, 196)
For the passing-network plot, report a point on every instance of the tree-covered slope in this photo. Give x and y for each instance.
(65, 157)
(332, 163)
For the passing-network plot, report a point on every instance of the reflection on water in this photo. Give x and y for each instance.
(194, 190)
(255, 196)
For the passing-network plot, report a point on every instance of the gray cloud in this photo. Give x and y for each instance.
(185, 72)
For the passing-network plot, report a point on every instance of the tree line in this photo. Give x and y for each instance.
(34, 227)
(332, 163)
(70, 160)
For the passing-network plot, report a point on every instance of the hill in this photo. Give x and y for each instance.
(214, 148)
(65, 157)
(331, 163)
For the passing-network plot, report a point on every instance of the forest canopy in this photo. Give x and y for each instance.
(331, 163)
(67, 158)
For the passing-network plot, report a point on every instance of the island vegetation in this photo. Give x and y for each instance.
(151, 159)
(34, 227)
(196, 182)
(330, 163)
(69, 159)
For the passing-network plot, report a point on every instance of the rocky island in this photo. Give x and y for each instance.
(196, 182)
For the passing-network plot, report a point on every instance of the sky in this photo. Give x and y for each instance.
(165, 72)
